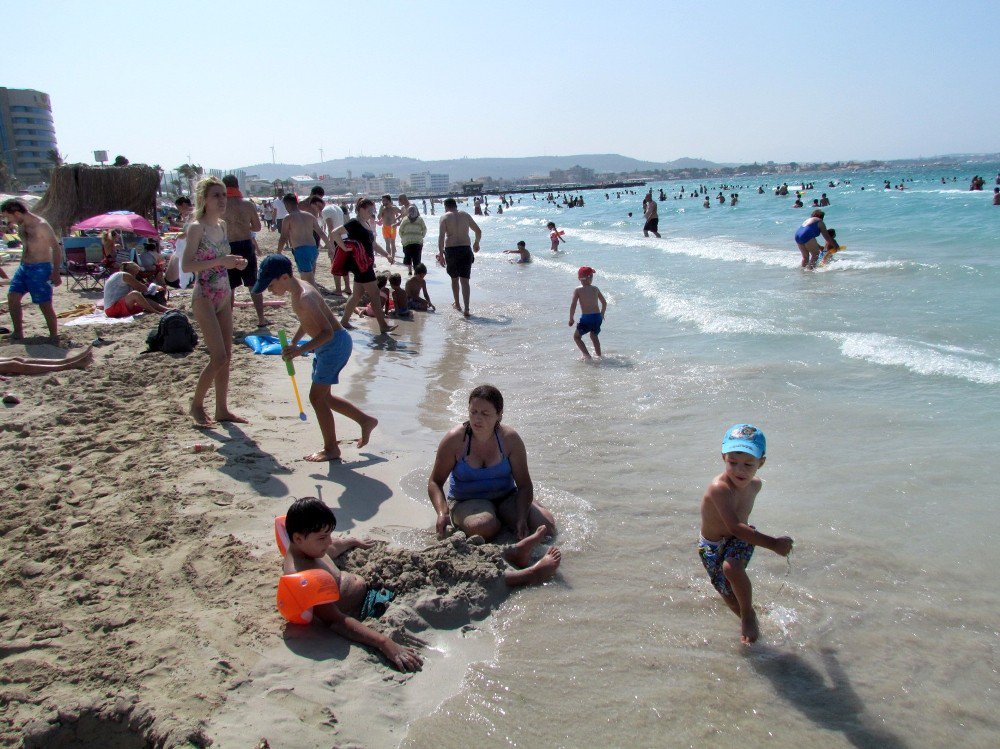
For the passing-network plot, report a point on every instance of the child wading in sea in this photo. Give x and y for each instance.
(523, 256)
(331, 344)
(592, 306)
(727, 540)
(555, 235)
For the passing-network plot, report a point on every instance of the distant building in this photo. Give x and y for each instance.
(385, 184)
(425, 182)
(27, 133)
(576, 175)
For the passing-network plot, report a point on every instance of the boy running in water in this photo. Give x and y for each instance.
(592, 306)
(727, 539)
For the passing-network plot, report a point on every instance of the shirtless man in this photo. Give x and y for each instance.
(454, 251)
(241, 221)
(39, 268)
(389, 216)
(297, 232)
(652, 218)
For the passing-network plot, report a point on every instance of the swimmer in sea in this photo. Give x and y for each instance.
(522, 252)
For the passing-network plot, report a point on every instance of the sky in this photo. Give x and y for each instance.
(219, 83)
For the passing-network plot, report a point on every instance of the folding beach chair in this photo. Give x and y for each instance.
(82, 274)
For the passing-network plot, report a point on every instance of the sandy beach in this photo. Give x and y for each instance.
(139, 603)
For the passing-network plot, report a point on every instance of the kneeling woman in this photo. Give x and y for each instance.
(486, 467)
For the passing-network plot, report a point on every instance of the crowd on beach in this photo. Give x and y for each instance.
(480, 482)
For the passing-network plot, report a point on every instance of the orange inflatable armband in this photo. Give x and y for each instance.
(300, 591)
(281, 535)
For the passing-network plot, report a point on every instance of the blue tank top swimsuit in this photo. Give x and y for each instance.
(807, 232)
(489, 482)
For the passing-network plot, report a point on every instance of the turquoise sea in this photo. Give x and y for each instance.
(876, 381)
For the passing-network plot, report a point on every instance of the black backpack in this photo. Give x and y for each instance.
(173, 335)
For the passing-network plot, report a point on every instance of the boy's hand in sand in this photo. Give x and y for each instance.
(361, 543)
(443, 521)
(783, 545)
(403, 658)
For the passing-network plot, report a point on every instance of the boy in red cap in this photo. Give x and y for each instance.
(590, 298)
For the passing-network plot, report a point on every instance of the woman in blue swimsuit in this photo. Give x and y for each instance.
(485, 466)
(805, 238)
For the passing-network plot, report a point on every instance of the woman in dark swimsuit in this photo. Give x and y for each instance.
(485, 465)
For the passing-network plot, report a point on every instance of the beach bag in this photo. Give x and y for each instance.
(174, 334)
(356, 253)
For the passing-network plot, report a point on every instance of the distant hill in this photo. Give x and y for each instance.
(463, 169)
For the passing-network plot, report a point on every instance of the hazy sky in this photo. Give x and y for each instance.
(727, 81)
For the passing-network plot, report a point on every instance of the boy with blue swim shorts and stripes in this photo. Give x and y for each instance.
(727, 539)
(39, 268)
(330, 344)
(592, 307)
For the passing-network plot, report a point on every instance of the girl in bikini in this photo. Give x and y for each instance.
(207, 255)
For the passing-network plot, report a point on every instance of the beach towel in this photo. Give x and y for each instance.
(99, 318)
(267, 344)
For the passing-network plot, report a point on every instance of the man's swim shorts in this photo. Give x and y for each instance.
(590, 323)
(305, 257)
(458, 261)
(714, 553)
(331, 357)
(248, 276)
(388, 231)
(34, 279)
(652, 225)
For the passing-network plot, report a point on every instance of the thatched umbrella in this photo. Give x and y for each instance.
(78, 191)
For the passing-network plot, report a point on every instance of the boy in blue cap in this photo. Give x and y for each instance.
(727, 539)
(331, 344)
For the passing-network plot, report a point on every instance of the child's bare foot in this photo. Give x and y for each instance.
(230, 416)
(457, 306)
(367, 427)
(545, 568)
(201, 417)
(263, 322)
(323, 456)
(519, 554)
(467, 313)
(346, 326)
(750, 629)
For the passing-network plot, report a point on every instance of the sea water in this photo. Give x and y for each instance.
(875, 379)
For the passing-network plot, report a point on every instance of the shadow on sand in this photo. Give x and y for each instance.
(834, 707)
(362, 494)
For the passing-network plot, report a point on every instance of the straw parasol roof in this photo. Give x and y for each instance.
(78, 191)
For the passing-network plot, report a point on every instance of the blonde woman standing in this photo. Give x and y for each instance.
(208, 256)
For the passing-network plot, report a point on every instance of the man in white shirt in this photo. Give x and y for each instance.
(280, 212)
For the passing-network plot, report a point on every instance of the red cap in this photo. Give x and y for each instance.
(585, 270)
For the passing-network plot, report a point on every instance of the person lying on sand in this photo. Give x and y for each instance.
(309, 524)
(331, 344)
(18, 365)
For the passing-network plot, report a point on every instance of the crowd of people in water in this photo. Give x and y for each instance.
(480, 482)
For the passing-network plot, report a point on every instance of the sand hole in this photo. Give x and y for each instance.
(91, 728)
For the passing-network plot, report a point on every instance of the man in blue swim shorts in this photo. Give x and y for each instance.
(300, 231)
(331, 345)
(39, 268)
(592, 307)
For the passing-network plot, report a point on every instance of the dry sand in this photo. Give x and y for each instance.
(139, 577)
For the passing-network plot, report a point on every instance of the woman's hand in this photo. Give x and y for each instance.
(443, 521)
(234, 262)
(522, 528)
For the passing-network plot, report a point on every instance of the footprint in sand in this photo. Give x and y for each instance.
(306, 710)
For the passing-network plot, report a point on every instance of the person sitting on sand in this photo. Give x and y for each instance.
(331, 344)
(486, 466)
(523, 256)
(400, 302)
(19, 365)
(123, 294)
(415, 287)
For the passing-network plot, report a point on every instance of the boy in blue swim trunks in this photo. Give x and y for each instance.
(592, 306)
(301, 231)
(331, 345)
(39, 268)
(727, 540)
